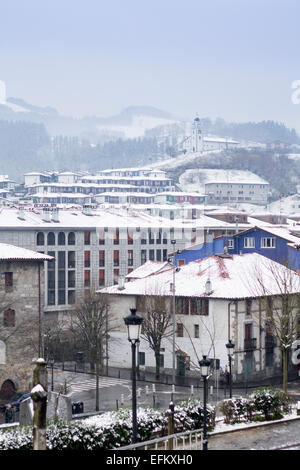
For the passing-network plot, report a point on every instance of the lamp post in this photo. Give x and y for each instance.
(52, 375)
(204, 370)
(230, 348)
(133, 323)
(175, 269)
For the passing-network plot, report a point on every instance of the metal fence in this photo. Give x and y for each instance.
(189, 440)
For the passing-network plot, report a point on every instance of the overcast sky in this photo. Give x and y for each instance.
(235, 59)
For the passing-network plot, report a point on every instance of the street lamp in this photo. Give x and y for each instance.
(230, 348)
(175, 269)
(133, 323)
(204, 370)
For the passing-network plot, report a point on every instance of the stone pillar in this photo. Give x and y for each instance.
(39, 398)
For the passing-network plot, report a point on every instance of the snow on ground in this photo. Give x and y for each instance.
(222, 427)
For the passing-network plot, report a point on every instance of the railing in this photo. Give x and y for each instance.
(182, 441)
(249, 344)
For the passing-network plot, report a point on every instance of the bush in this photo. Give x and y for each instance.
(270, 402)
(112, 429)
(264, 403)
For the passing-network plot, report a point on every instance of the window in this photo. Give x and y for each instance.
(248, 306)
(142, 358)
(87, 278)
(61, 297)
(117, 237)
(101, 258)
(101, 277)
(71, 259)
(51, 238)
(158, 255)
(196, 331)
(143, 238)
(87, 238)
(71, 297)
(116, 257)
(61, 259)
(116, 276)
(199, 306)
(8, 280)
(129, 237)
(182, 305)
(61, 239)
(161, 361)
(151, 238)
(71, 278)
(101, 238)
(71, 238)
(9, 318)
(151, 255)
(40, 239)
(230, 244)
(249, 242)
(165, 255)
(268, 242)
(87, 259)
(180, 330)
(143, 256)
(130, 257)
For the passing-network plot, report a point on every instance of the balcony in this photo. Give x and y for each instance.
(249, 344)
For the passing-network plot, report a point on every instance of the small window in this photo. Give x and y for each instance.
(196, 331)
(51, 239)
(101, 277)
(230, 243)
(268, 242)
(116, 258)
(9, 318)
(87, 278)
(249, 242)
(40, 239)
(87, 259)
(8, 279)
(71, 238)
(61, 239)
(87, 238)
(180, 330)
(248, 306)
(142, 358)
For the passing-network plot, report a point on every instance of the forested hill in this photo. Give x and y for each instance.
(263, 132)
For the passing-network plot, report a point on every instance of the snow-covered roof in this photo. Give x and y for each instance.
(146, 269)
(281, 232)
(232, 277)
(15, 253)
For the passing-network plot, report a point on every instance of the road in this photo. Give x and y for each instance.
(268, 437)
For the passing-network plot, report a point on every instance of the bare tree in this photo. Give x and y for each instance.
(156, 325)
(90, 322)
(278, 288)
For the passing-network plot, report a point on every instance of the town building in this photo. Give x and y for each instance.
(216, 299)
(94, 246)
(21, 316)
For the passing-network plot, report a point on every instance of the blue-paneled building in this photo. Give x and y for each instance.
(276, 243)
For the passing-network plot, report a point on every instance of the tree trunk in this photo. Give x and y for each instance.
(157, 366)
(284, 369)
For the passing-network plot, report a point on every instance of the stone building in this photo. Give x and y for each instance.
(21, 307)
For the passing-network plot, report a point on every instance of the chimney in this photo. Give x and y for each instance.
(121, 283)
(87, 209)
(46, 214)
(21, 213)
(208, 289)
(55, 214)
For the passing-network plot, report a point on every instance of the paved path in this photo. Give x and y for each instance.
(262, 438)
